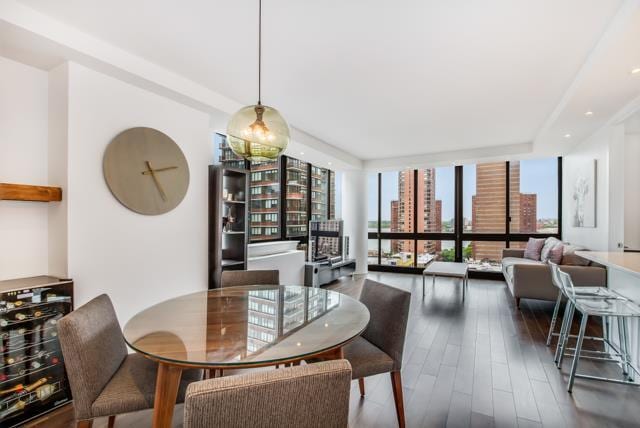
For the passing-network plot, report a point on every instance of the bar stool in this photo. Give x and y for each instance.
(582, 291)
(617, 307)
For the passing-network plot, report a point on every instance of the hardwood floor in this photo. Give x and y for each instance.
(483, 363)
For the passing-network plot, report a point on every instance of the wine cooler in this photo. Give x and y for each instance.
(32, 375)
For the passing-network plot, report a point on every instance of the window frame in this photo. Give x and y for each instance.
(458, 235)
(282, 199)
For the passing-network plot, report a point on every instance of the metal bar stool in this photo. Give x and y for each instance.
(616, 307)
(582, 291)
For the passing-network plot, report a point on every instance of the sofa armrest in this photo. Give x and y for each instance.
(512, 252)
(586, 276)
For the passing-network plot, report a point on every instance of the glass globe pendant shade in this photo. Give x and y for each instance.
(258, 133)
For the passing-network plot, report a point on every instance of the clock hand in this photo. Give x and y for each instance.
(155, 180)
(159, 170)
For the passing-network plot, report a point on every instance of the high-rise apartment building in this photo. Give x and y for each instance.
(297, 216)
(227, 157)
(528, 212)
(488, 207)
(429, 210)
(264, 220)
(319, 193)
(332, 195)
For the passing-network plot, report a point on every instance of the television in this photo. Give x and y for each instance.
(325, 240)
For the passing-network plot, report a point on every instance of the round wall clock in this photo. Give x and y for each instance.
(146, 171)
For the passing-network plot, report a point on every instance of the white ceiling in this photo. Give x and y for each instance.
(376, 79)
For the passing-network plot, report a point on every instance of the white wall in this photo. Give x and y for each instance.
(23, 160)
(138, 260)
(607, 146)
(632, 191)
(596, 147)
(58, 169)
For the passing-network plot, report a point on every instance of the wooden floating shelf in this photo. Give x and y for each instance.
(26, 192)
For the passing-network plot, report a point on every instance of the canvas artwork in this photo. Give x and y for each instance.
(584, 196)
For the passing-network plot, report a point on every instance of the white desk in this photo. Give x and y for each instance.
(623, 276)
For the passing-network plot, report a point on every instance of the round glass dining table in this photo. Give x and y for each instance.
(238, 327)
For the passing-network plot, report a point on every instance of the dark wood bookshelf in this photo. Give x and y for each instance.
(228, 221)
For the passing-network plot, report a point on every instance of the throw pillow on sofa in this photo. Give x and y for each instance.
(533, 249)
(549, 244)
(555, 254)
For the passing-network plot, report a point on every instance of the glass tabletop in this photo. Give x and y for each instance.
(249, 325)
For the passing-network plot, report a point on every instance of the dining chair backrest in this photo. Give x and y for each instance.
(232, 278)
(389, 312)
(555, 275)
(313, 395)
(93, 349)
(567, 284)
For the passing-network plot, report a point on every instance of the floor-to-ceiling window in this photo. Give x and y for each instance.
(467, 212)
(284, 194)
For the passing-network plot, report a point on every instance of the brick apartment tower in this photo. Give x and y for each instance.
(528, 212)
(488, 207)
(438, 223)
(429, 210)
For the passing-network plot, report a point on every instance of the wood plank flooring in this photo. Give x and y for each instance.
(481, 363)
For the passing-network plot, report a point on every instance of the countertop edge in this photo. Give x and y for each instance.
(593, 256)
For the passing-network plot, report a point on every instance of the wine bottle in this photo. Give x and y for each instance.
(16, 388)
(37, 314)
(45, 391)
(20, 316)
(35, 384)
(4, 322)
(18, 405)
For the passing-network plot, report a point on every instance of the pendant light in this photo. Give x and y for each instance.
(258, 132)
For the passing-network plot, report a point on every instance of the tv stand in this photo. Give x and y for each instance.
(321, 273)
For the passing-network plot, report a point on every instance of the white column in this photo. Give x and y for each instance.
(354, 213)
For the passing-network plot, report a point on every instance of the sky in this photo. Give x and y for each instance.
(536, 176)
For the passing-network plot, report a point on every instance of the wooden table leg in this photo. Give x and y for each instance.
(167, 384)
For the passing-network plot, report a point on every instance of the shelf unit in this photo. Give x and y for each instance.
(27, 192)
(228, 221)
(32, 375)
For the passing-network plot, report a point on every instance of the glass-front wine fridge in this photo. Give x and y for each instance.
(32, 374)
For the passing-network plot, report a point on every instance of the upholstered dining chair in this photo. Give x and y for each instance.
(379, 349)
(231, 278)
(105, 380)
(312, 396)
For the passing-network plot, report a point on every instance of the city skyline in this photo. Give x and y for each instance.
(534, 179)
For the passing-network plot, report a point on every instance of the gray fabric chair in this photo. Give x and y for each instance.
(379, 349)
(232, 278)
(311, 396)
(105, 380)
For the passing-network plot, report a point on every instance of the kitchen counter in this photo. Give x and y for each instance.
(623, 276)
(628, 262)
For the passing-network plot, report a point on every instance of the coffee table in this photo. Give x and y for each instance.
(447, 269)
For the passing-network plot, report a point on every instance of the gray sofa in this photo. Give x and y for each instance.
(530, 279)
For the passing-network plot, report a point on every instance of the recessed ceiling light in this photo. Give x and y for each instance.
(588, 113)
(302, 153)
(567, 135)
(635, 70)
(329, 163)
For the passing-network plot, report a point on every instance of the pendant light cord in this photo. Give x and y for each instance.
(259, 51)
